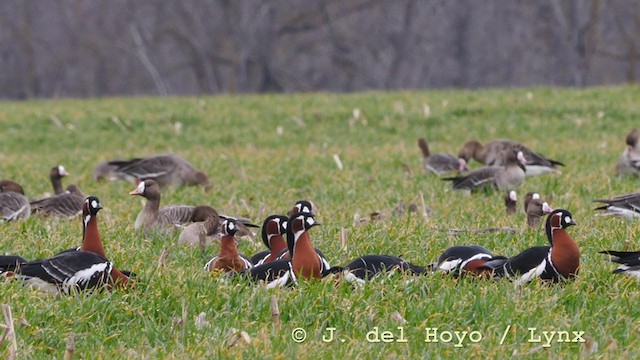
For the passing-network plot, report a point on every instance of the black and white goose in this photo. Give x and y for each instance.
(557, 262)
(228, 259)
(465, 259)
(367, 267)
(629, 262)
(13, 204)
(627, 205)
(274, 230)
(69, 271)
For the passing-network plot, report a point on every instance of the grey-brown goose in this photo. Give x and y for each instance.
(166, 170)
(152, 217)
(510, 201)
(56, 174)
(528, 197)
(509, 176)
(536, 209)
(105, 171)
(13, 204)
(442, 163)
(627, 205)
(67, 205)
(629, 162)
(205, 222)
(495, 153)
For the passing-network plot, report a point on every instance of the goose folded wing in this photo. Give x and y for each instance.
(481, 177)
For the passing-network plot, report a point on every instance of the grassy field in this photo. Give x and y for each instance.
(265, 152)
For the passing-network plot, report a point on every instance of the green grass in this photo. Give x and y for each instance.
(258, 170)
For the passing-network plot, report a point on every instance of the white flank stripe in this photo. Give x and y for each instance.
(208, 264)
(450, 265)
(83, 276)
(350, 277)
(475, 257)
(535, 272)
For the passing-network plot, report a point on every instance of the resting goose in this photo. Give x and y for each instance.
(206, 222)
(13, 204)
(629, 162)
(627, 205)
(152, 217)
(496, 152)
(67, 204)
(56, 174)
(442, 163)
(166, 170)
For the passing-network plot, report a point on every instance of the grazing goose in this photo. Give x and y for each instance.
(73, 270)
(166, 170)
(629, 262)
(305, 263)
(627, 205)
(497, 153)
(13, 204)
(67, 205)
(508, 176)
(274, 228)
(228, 259)
(510, 201)
(367, 267)
(440, 164)
(559, 261)
(629, 162)
(152, 217)
(205, 222)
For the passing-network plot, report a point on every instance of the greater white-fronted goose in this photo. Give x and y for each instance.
(510, 201)
(56, 174)
(627, 205)
(152, 217)
(166, 170)
(205, 222)
(496, 152)
(13, 204)
(536, 209)
(509, 176)
(67, 205)
(629, 162)
(441, 163)
(104, 171)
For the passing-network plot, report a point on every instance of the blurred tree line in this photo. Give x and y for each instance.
(77, 48)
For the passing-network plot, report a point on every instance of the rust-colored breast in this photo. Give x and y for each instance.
(565, 254)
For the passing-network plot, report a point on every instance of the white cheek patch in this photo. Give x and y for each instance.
(567, 219)
(94, 204)
(310, 221)
(231, 226)
(284, 225)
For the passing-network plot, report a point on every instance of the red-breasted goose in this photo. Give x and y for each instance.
(152, 217)
(496, 153)
(74, 270)
(13, 204)
(441, 163)
(274, 229)
(166, 170)
(629, 262)
(228, 259)
(559, 261)
(367, 267)
(67, 205)
(464, 259)
(509, 176)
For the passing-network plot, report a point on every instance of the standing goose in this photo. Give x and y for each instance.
(13, 204)
(166, 170)
(66, 205)
(228, 259)
(629, 161)
(305, 262)
(528, 197)
(205, 221)
(152, 217)
(74, 270)
(442, 163)
(536, 209)
(559, 261)
(367, 267)
(56, 174)
(274, 228)
(497, 153)
(509, 176)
